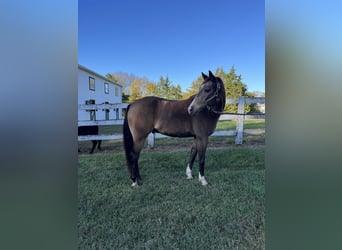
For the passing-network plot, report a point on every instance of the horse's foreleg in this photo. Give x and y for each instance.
(201, 148)
(192, 158)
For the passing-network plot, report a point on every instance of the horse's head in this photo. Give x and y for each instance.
(211, 94)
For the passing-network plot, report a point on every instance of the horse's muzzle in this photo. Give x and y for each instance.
(192, 110)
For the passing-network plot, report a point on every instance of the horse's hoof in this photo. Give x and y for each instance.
(188, 175)
(135, 184)
(202, 180)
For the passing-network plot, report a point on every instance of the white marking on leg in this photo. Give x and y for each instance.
(134, 184)
(202, 180)
(188, 172)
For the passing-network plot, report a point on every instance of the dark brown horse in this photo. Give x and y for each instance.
(194, 117)
(90, 130)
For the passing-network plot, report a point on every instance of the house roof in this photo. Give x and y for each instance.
(98, 75)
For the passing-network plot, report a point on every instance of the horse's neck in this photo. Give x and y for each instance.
(191, 98)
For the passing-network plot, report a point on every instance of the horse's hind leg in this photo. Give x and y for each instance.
(192, 158)
(99, 145)
(135, 175)
(135, 153)
(94, 142)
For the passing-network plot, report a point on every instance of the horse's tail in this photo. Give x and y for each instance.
(128, 142)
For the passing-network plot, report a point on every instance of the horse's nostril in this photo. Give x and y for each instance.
(190, 109)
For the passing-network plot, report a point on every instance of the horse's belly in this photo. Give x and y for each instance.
(174, 129)
(179, 134)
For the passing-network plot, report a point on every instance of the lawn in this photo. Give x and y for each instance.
(168, 211)
(248, 124)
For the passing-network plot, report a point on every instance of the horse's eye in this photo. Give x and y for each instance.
(207, 90)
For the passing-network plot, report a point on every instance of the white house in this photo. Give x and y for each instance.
(94, 88)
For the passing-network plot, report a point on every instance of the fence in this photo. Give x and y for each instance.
(119, 107)
(241, 110)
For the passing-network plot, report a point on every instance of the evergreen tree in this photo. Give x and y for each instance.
(193, 90)
(174, 93)
(163, 86)
(234, 87)
(125, 98)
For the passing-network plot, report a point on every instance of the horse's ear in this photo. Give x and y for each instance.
(211, 74)
(204, 76)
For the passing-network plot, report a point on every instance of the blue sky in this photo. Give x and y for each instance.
(177, 38)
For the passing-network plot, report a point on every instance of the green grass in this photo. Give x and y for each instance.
(248, 124)
(254, 123)
(110, 129)
(168, 211)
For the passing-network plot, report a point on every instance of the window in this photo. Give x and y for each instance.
(116, 91)
(106, 88)
(91, 83)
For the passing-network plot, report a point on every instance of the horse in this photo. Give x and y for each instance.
(194, 117)
(90, 130)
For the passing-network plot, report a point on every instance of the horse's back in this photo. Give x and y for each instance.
(143, 108)
(146, 102)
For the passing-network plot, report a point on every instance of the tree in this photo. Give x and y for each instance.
(125, 98)
(163, 86)
(135, 90)
(165, 89)
(194, 88)
(150, 89)
(122, 78)
(112, 77)
(174, 93)
(234, 87)
(256, 107)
